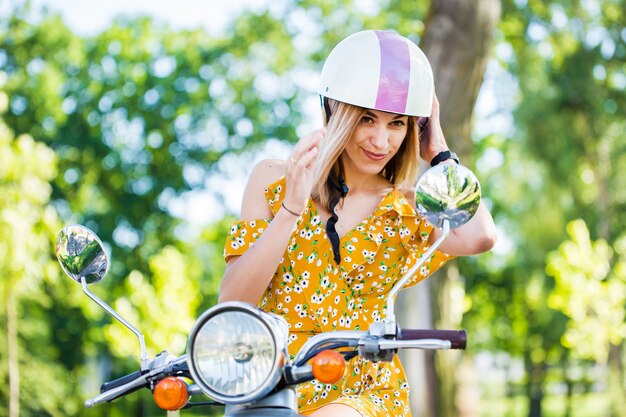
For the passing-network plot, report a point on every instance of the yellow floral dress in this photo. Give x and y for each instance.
(315, 294)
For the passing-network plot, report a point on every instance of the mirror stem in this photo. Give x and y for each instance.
(145, 360)
(390, 321)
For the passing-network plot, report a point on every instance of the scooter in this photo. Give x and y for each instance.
(237, 354)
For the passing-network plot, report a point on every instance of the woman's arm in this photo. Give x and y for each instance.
(476, 236)
(247, 276)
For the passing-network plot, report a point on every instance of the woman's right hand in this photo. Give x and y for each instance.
(299, 171)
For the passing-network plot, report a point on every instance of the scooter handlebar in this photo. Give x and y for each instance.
(457, 338)
(107, 386)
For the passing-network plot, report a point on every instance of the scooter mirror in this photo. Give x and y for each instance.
(447, 192)
(81, 254)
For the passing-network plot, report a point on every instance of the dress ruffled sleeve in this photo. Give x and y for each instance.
(417, 245)
(243, 234)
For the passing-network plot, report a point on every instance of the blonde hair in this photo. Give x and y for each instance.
(401, 170)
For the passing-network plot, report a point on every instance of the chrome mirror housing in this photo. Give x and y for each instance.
(81, 254)
(447, 192)
(82, 257)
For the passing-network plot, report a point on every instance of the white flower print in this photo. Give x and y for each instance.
(316, 298)
(316, 220)
(287, 277)
(300, 255)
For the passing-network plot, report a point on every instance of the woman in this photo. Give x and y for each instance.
(324, 235)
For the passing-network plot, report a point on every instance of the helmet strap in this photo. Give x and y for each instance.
(326, 105)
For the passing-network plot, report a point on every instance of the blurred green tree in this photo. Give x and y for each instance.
(562, 163)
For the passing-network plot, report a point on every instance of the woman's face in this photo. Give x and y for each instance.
(377, 138)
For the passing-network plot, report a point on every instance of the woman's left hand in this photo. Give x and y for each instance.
(432, 140)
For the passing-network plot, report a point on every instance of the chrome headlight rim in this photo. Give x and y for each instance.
(276, 327)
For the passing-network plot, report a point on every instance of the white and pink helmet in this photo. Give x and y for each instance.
(379, 70)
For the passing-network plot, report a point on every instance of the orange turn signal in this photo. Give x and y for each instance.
(328, 366)
(171, 393)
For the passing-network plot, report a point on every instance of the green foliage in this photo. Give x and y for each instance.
(165, 305)
(140, 114)
(27, 225)
(590, 292)
(563, 162)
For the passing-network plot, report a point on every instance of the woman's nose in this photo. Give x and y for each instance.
(380, 137)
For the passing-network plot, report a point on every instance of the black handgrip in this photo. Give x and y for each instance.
(458, 338)
(120, 381)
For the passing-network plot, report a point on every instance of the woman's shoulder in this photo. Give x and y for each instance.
(267, 171)
(255, 197)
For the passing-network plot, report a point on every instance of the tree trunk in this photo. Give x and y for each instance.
(616, 381)
(457, 40)
(13, 360)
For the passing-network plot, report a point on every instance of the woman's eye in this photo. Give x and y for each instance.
(398, 123)
(367, 119)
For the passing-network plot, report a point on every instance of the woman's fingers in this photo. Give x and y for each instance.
(305, 151)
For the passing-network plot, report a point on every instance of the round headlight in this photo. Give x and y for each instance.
(236, 352)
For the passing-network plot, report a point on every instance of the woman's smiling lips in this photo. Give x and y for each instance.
(374, 156)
